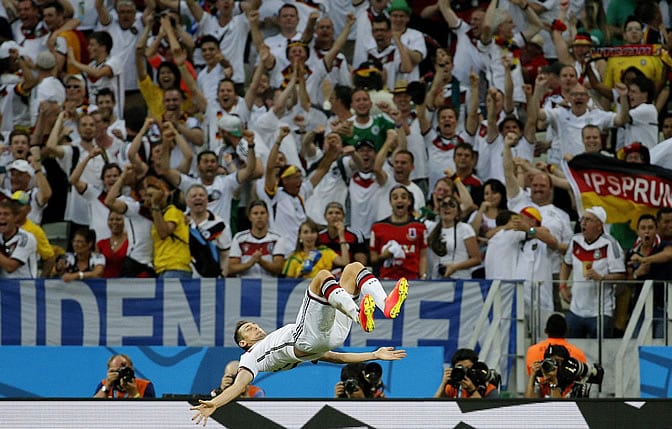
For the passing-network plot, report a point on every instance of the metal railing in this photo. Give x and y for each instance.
(489, 352)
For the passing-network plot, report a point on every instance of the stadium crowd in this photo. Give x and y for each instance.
(428, 139)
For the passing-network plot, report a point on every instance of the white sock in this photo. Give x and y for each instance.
(370, 285)
(340, 299)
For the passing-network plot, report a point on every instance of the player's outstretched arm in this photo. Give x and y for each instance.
(383, 353)
(206, 408)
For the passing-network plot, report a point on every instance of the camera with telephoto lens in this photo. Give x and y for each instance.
(351, 385)
(126, 374)
(573, 370)
(548, 365)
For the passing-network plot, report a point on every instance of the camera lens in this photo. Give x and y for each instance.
(351, 385)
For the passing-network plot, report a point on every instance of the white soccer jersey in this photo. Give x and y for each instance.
(319, 328)
(231, 37)
(245, 244)
(21, 246)
(220, 192)
(605, 256)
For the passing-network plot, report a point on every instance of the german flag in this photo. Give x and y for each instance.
(625, 190)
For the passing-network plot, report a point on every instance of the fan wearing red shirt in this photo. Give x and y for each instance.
(399, 242)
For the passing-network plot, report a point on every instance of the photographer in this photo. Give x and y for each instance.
(468, 378)
(561, 376)
(121, 381)
(360, 381)
(230, 372)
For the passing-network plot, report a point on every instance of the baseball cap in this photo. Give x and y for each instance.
(45, 60)
(231, 124)
(365, 142)
(399, 5)
(22, 166)
(6, 46)
(77, 76)
(599, 213)
(532, 213)
(21, 197)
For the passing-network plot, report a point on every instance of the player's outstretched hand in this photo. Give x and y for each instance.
(389, 353)
(205, 410)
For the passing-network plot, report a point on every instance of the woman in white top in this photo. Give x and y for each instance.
(452, 244)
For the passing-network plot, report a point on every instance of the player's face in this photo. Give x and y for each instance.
(333, 215)
(258, 217)
(251, 333)
(6, 220)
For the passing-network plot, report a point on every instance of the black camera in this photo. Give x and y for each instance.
(457, 375)
(442, 270)
(573, 370)
(548, 365)
(351, 385)
(126, 374)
